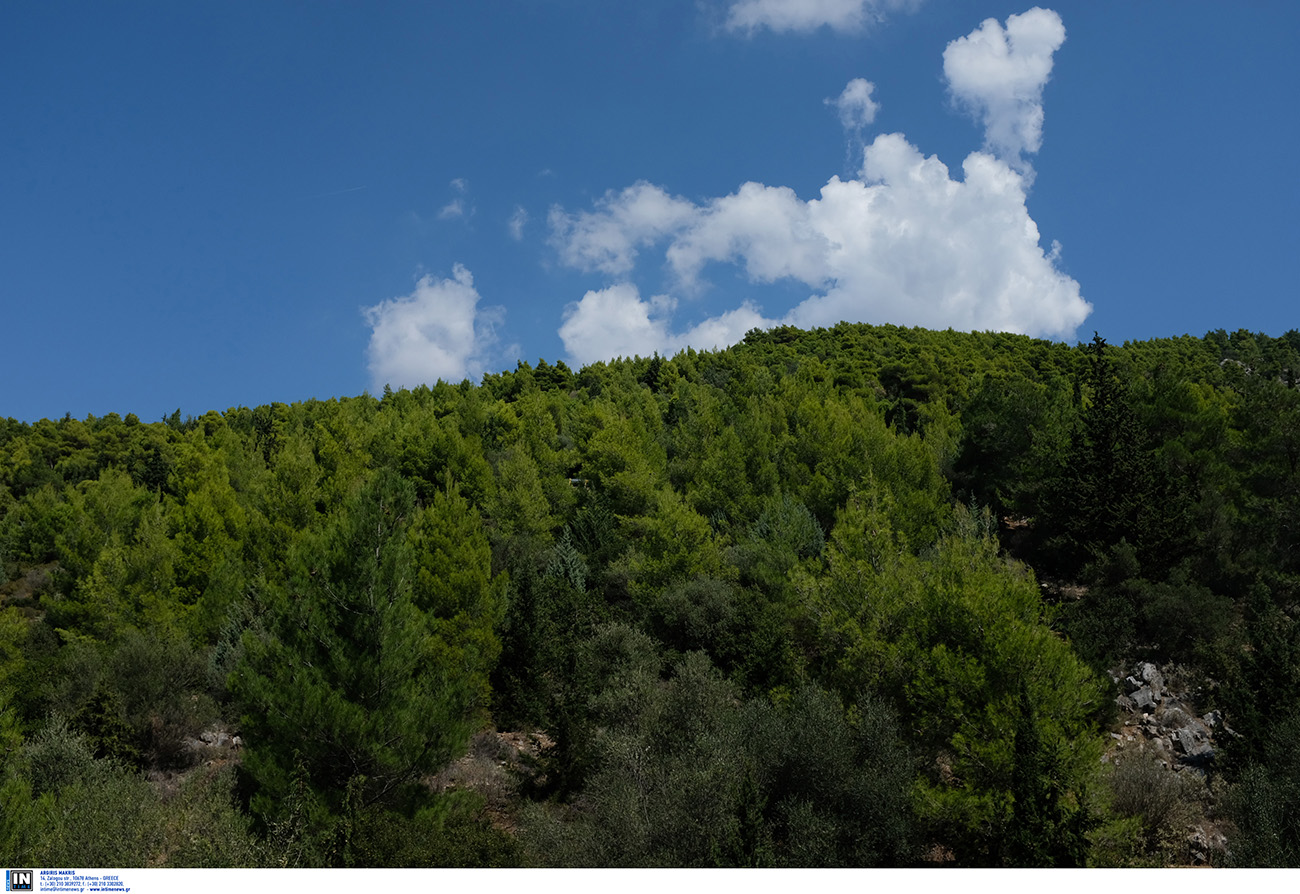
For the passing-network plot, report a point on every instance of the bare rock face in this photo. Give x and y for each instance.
(1162, 720)
(1160, 727)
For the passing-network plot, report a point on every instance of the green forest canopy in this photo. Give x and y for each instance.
(791, 603)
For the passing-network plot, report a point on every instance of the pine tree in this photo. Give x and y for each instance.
(1111, 488)
(350, 677)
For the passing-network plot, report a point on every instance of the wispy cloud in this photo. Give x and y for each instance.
(518, 220)
(608, 238)
(457, 207)
(749, 16)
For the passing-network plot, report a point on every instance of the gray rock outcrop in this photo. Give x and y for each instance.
(1163, 720)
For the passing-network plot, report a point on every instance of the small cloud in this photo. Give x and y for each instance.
(457, 207)
(436, 332)
(518, 220)
(749, 16)
(767, 229)
(856, 107)
(998, 76)
(617, 322)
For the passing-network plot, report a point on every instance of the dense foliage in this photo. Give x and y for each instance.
(840, 597)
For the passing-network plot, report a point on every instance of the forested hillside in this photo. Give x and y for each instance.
(858, 596)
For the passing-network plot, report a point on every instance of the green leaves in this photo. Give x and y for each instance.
(771, 532)
(958, 639)
(686, 773)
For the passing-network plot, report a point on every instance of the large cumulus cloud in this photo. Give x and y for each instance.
(904, 241)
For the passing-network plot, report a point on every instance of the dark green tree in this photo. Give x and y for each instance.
(1265, 804)
(1048, 825)
(348, 676)
(1111, 487)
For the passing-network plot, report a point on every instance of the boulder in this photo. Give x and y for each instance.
(1193, 741)
(1150, 674)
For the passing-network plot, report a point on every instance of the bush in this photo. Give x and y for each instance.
(1162, 802)
(204, 828)
(1265, 803)
(684, 773)
(56, 756)
(107, 816)
(162, 682)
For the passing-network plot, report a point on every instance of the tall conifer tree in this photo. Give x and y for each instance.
(353, 681)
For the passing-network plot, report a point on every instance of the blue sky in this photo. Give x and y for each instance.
(206, 205)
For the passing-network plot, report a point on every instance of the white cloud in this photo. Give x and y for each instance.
(748, 16)
(908, 244)
(998, 75)
(607, 239)
(456, 207)
(617, 322)
(518, 220)
(856, 107)
(902, 242)
(764, 228)
(436, 332)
